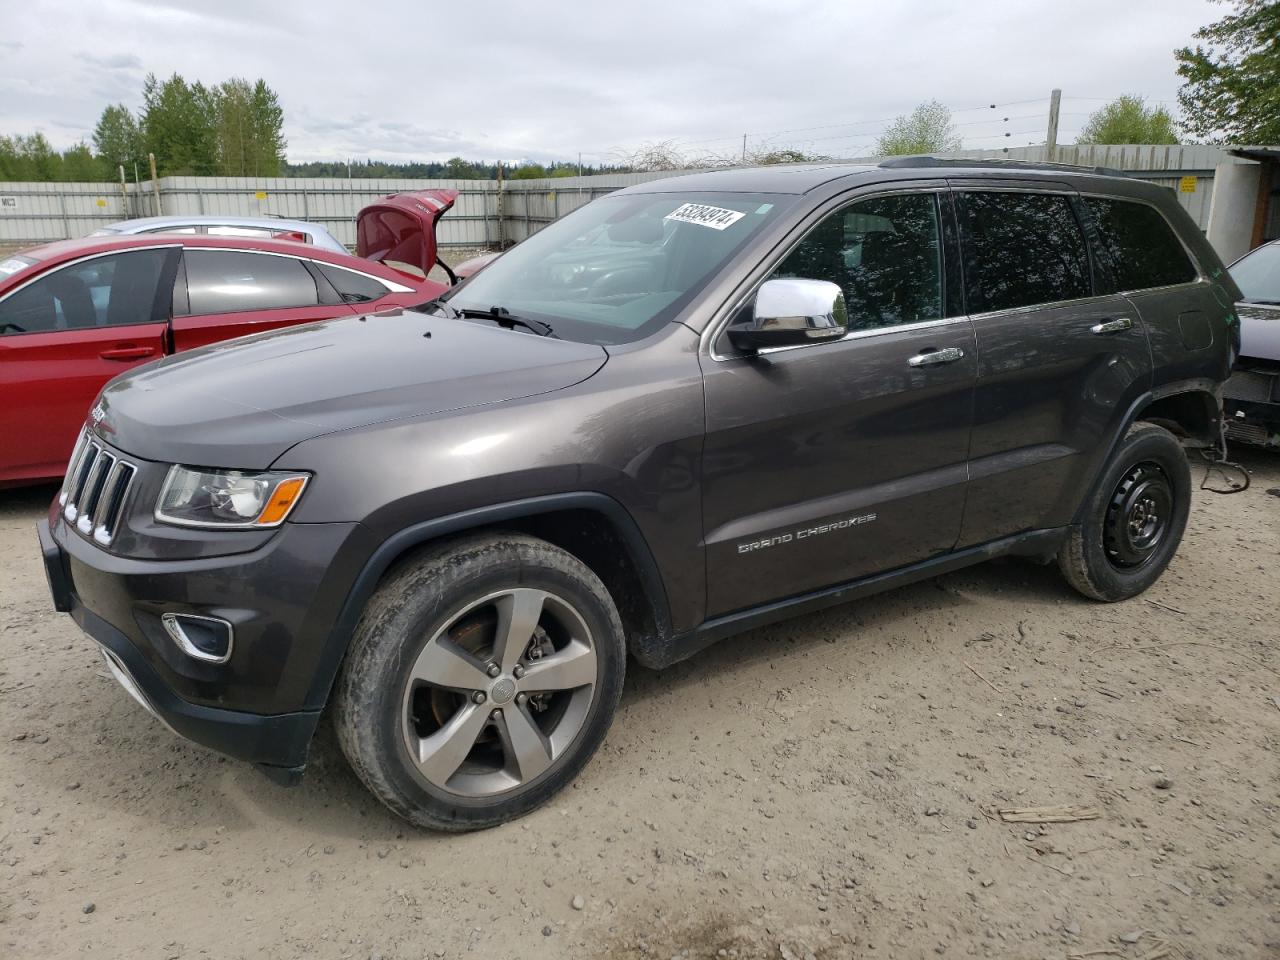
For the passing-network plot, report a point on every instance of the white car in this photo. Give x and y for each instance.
(259, 228)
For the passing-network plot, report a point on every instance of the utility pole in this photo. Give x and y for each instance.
(124, 193)
(1051, 138)
(155, 184)
(744, 148)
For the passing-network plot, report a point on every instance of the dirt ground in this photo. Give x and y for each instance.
(821, 788)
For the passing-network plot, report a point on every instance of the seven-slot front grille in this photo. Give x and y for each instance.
(95, 488)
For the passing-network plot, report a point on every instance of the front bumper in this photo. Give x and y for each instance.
(263, 705)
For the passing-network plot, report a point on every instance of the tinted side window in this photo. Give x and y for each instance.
(1021, 249)
(884, 252)
(352, 286)
(105, 291)
(1138, 244)
(229, 281)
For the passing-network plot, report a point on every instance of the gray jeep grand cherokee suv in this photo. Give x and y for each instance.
(691, 407)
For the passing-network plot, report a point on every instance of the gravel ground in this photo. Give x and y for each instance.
(824, 787)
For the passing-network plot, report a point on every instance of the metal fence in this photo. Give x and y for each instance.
(486, 213)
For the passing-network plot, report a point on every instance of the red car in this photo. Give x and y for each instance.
(75, 313)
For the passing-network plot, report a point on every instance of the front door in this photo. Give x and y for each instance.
(830, 462)
(62, 337)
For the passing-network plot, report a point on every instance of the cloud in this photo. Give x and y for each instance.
(115, 61)
(402, 80)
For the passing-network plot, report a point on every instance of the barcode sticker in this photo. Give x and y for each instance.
(717, 218)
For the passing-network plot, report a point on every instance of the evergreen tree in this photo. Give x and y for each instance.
(117, 141)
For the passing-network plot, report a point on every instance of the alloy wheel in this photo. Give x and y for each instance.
(497, 695)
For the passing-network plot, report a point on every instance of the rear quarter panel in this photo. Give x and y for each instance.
(1193, 328)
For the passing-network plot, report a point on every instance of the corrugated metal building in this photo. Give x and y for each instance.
(485, 215)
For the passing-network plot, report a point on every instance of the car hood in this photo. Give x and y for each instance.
(1259, 330)
(242, 403)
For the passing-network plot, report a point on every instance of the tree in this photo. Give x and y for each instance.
(1231, 88)
(79, 165)
(653, 156)
(42, 160)
(267, 124)
(529, 171)
(1128, 119)
(117, 140)
(234, 130)
(458, 169)
(786, 155)
(178, 125)
(927, 129)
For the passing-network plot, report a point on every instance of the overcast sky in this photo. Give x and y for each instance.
(414, 80)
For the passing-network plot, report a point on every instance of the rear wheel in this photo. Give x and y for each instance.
(482, 677)
(1134, 520)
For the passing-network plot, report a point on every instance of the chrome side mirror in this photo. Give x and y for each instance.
(790, 311)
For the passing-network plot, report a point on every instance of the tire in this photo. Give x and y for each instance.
(406, 708)
(1132, 524)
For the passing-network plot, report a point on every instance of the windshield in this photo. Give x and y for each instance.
(620, 267)
(1258, 274)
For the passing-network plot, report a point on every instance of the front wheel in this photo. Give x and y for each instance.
(481, 678)
(1134, 520)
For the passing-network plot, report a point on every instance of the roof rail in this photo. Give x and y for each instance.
(932, 161)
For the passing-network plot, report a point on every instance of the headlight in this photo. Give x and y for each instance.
(239, 499)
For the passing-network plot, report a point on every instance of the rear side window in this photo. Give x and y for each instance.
(1021, 249)
(230, 281)
(351, 286)
(108, 291)
(1138, 245)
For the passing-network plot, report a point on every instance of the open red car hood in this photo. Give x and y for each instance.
(400, 229)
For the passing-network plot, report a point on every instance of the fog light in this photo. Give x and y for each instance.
(202, 638)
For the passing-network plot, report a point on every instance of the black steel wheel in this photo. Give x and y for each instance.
(1130, 525)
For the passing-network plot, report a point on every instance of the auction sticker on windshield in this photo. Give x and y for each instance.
(717, 218)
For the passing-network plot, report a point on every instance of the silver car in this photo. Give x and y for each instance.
(258, 228)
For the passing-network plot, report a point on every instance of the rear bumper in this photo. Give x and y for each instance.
(276, 742)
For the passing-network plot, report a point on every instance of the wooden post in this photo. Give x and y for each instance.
(124, 195)
(62, 208)
(155, 184)
(502, 210)
(1051, 138)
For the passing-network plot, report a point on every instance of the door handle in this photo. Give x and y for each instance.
(127, 353)
(1112, 326)
(929, 358)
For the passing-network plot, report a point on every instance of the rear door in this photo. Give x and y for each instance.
(1058, 359)
(826, 463)
(223, 293)
(62, 337)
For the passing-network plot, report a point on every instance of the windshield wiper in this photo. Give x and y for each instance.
(504, 317)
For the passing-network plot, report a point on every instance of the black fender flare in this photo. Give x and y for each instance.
(1200, 385)
(339, 637)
